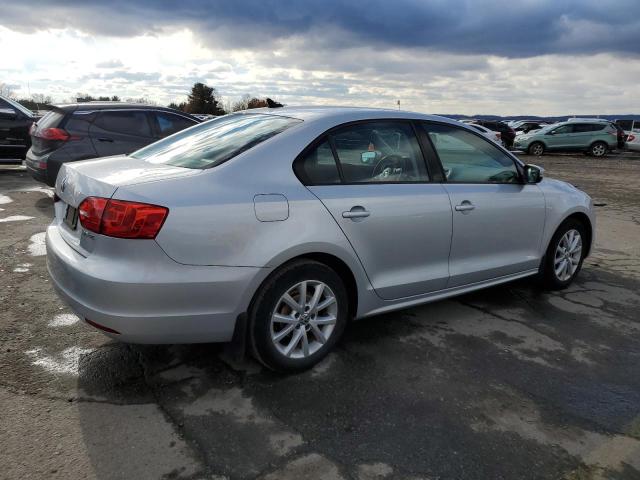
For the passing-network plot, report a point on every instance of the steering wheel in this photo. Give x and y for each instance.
(388, 161)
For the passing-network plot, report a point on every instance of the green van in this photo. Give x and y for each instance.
(593, 137)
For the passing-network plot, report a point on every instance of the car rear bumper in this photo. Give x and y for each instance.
(37, 167)
(151, 298)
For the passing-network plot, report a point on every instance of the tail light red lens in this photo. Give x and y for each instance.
(631, 138)
(52, 134)
(121, 218)
(90, 213)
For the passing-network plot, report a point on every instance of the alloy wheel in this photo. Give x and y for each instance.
(304, 319)
(598, 150)
(568, 255)
(537, 149)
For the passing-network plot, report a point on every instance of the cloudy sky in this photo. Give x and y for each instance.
(542, 57)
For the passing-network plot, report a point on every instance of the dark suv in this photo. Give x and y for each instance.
(507, 134)
(97, 129)
(15, 121)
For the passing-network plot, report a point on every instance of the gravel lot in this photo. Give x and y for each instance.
(510, 382)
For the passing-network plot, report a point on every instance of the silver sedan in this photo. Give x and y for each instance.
(286, 223)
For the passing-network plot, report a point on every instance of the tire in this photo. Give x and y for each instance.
(554, 257)
(299, 338)
(598, 149)
(536, 148)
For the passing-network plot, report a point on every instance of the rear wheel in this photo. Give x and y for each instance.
(598, 149)
(565, 255)
(298, 316)
(536, 148)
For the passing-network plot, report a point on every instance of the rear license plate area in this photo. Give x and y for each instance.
(71, 217)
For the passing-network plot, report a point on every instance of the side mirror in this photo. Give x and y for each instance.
(533, 173)
(367, 157)
(7, 113)
(552, 132)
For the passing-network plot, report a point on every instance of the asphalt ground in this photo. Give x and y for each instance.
(506, 383)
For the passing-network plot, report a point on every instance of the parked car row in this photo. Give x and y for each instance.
(593, 136)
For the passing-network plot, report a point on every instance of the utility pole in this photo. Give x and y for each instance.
(398, 104)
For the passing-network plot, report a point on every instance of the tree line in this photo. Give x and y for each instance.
(202, 99)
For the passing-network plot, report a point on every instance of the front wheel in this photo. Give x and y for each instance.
(298, 316)
(598, 149)
(536, 148)
(565, 255)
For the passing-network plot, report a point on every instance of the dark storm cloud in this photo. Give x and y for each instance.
(506, 28)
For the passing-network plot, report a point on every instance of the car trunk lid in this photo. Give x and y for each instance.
(101, 178)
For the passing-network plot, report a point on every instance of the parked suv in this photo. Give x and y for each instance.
(507, 134)
(97, 129)
(593, 137)
(15, 121)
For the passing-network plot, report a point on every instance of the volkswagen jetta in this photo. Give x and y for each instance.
(286, 223)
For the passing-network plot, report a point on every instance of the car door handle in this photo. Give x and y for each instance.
(465, 206)
(356, 212)
(104, 139)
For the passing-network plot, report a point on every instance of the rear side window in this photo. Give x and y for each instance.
(169, 123)
(318, 166)
(212, 143)
(469, 158)
(133, 123)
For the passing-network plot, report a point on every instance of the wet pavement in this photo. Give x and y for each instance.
(510, 382)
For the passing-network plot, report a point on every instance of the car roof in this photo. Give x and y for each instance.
(345, 114)
(95, 106)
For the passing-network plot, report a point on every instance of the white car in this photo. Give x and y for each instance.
(633, 140)
(490, 134)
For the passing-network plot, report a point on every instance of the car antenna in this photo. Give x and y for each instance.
(273, 104)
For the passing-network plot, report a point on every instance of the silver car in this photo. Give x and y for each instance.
(286, 223)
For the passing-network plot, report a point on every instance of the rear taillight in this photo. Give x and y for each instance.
(121, 218)
(52, 134)
(631, 138)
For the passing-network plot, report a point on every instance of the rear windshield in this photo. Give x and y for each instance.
(216, 141)
(51, 119)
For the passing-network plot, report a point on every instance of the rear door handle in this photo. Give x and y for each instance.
(465, 206)
(103, 139)
(356, 212)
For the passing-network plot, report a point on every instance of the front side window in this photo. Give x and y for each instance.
(383, 151)
(563, 129)
(469, 158)
(212, 143)
(125, 122)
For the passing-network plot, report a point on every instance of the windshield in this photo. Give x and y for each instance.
(216, 141)
(23, 109)
(544, 129)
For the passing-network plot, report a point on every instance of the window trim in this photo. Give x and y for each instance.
(327, 135)
(516, 161)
